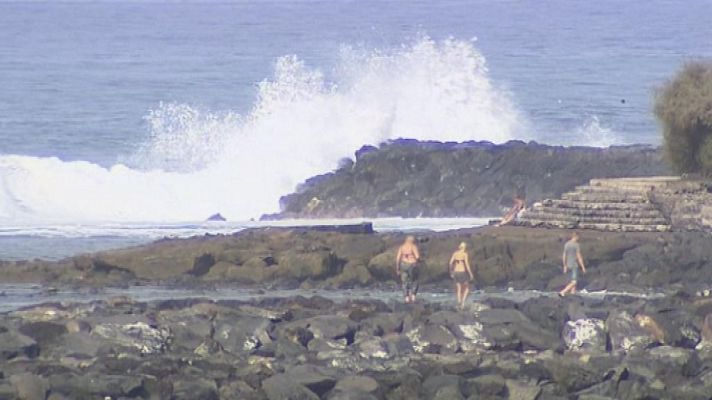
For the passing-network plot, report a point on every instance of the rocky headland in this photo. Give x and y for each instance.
(409, 178)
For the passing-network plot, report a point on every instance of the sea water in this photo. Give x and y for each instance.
(119, 121)
(54, 242)
(18, 296)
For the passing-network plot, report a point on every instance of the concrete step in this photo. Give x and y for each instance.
(605, 190)
(584, 212)
(597, 206)
(546, 216)
(597, 226)
(605, 198)
(640, 183)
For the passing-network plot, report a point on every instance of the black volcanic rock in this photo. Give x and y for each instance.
(410, 178)
(492, 352)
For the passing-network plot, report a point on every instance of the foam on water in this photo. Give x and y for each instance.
(150, 231)
(18, 296)
(198, 162)
(593, 133)
(56, 241)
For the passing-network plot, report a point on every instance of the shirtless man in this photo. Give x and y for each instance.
(461, 273)
(406, 262)
(572, 259)
(511, 215)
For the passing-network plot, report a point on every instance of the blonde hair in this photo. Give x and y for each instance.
(462, 246)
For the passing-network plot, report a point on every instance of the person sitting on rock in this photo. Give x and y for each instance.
(461, 273)
(406, 262)
(513, 213)
(572, 259)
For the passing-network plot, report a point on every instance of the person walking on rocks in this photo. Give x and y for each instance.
(461, 273)
(406, 263)
(572, 259)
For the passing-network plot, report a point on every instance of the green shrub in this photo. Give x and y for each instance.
(704, 156)
(683, 106)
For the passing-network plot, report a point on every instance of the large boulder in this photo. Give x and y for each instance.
(281, 387)
(29, 387)
(93, 385)
(483, 386)
(507, 328)
(350, 395)
(242, 334)
(331, 327)
(382, 324)
(14, 344)
(253, 271)
(318, 380)
(585, 334)
(706, 331)
(673, 360)
(545, 311)
(43, 332)
(373, 347)
(359, 383)
(573, 373)
(522, 390)
(533, 337)
(130, 333)
(80, 346)
(237, 390)
(382, 267)
(188, 329)
(626, 334)
(194, 388)
(309, 265)
(442, 387)
(433, 339)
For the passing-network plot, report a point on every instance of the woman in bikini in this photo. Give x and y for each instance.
(406, 262)
(461, 273)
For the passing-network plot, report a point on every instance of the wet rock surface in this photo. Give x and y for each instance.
(314, 348)
(517, 257)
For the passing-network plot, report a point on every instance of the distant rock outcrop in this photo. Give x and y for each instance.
(410, 178)
(216, 217)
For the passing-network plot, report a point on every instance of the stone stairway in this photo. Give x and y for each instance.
(622, 204)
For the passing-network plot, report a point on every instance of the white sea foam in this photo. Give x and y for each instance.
(197, 162)
(153, 230)
(593, 133)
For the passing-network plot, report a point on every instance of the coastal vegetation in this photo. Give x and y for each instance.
(683, 106)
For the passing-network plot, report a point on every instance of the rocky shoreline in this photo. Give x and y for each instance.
(307, 346)
(616, 347)
(518, 257)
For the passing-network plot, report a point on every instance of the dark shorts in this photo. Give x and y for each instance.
(461, 277)
(407, 276)
(574, 274)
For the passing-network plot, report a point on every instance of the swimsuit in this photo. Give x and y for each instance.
(461, 277)
(407, 276)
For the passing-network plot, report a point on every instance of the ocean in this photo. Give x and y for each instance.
(121, 122)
